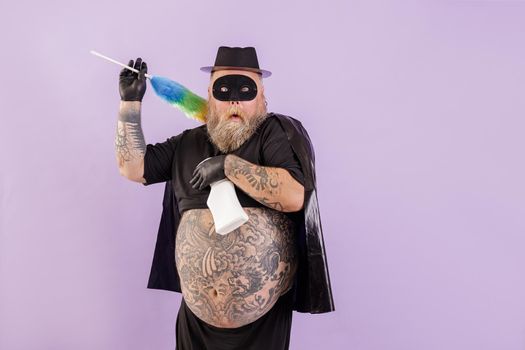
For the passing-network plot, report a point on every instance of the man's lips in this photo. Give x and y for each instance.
(235, 117)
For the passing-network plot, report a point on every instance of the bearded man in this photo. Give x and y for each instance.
(239, 289)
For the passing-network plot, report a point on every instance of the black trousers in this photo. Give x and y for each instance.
(269, 332)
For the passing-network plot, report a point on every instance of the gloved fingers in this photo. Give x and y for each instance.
(138, 63)
(196, 170)
(201, 165)
(199, 184)
(126, 72)
(195, 181)
(143, 70)
(202, 185)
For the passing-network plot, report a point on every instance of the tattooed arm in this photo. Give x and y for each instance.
(273, 187)
(130, 145)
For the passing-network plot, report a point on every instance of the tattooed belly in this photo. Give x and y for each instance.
(229, 281)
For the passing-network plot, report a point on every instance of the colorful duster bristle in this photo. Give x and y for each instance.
(193, 106)
(180, 97)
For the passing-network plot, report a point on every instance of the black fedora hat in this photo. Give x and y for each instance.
(243, 58)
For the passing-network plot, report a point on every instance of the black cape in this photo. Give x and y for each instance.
(312, 290)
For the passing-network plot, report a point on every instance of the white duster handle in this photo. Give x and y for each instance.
(119, 63)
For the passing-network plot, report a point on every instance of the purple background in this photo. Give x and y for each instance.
(416, 112)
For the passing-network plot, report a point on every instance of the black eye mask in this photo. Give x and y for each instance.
(234, 87)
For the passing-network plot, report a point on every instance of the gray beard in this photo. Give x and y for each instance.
(229, 135)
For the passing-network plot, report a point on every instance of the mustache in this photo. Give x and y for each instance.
(234, 109)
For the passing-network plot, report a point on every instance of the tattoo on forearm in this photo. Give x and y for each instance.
(129, 139)
(235, 278)
(264, 182)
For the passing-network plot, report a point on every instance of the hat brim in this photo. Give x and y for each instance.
(210, 69)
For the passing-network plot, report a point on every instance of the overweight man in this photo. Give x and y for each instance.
(239, 289)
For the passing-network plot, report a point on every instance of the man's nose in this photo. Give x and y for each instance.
(234, 95)
(234, 102)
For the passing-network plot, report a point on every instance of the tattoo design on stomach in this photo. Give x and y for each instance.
(232, 280)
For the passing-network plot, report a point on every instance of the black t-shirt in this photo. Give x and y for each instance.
(176, 158)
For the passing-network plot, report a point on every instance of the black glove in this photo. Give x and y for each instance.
(132, 86)
(207, 172)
